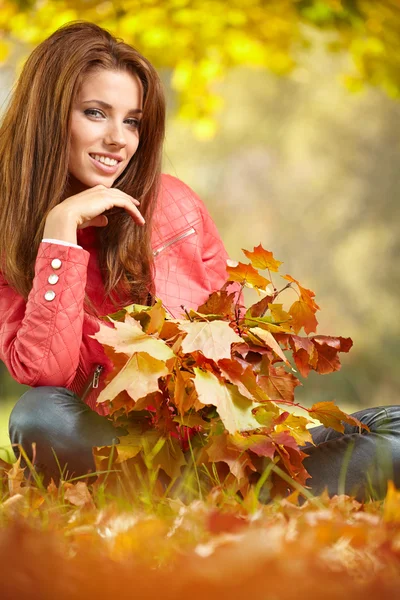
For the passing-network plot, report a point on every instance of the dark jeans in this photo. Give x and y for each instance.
(351, 463)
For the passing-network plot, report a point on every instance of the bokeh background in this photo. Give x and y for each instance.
(284, 116)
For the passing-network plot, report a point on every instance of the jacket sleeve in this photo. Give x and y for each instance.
(40, 338)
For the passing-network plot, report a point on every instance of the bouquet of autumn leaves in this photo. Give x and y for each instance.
(214, 386)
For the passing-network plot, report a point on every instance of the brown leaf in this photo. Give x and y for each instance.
(78, 494)
(219, 303)
(237, 460)
(16, 478)
(279, 384)
(327, 350)
(259, 308)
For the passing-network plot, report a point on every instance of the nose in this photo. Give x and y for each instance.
(115, 135)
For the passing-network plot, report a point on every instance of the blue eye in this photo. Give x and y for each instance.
(135, 123)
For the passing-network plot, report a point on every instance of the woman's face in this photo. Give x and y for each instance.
(104, 128)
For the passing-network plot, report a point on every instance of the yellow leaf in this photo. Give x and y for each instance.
(128, 337)
(213, 338)
(138, 377)
(233, 408)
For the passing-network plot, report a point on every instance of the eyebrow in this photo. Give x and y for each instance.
(106, 105)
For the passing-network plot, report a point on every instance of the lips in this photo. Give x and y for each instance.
(107, 169)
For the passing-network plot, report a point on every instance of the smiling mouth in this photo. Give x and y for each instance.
(103, 167)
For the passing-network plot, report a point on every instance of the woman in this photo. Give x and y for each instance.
(88, 225)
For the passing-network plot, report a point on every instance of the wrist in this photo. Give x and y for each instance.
(60, 225)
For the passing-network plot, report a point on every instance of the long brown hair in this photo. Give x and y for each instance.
(34, 151)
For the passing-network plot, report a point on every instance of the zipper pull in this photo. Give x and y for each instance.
(96, 376)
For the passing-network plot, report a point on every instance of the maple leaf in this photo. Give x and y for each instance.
(156, 317)
(302, 316)
(304, 353)
(16, 478)
(306, 295)
(126, 451)
(128, 337)
(296, 425)
(279, 384)
(247, 275)
(327, 351)
(219, 303)
(243, 378)
(330, 415)
(262, 259)
(138, 377)
(258, 443)
(78, 494)
(237, 460)
(270, 341)
(233, 408)
(259, 308)
(280, 316)
(213, 338)
(266, 414)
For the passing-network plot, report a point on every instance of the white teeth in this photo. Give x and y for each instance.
(105, 160)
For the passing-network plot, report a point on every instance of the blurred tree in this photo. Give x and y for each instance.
(199, 40)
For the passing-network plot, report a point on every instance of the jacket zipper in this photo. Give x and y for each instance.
(94, 377)
(178, 238)
(92, 381)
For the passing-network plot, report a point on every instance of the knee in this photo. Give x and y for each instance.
(33, 410)
(385, 419)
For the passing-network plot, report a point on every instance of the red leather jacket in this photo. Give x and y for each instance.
(45, 341)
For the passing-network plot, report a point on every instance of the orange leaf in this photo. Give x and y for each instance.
(237, 460)
(302, 316)
(262, 259)
(247, 275)
(219, 303)
(279, 384)
(306, 295)
(243, 378)
(330, 415)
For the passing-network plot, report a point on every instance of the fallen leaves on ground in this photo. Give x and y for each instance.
(75, 544)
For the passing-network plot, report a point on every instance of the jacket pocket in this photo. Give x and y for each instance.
(174, 240)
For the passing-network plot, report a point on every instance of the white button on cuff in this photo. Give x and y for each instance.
(50, 295)
(56, 263)
(53, 279)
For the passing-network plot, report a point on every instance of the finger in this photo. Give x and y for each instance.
(137, 217)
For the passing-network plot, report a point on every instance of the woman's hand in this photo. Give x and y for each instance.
(86, 207)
